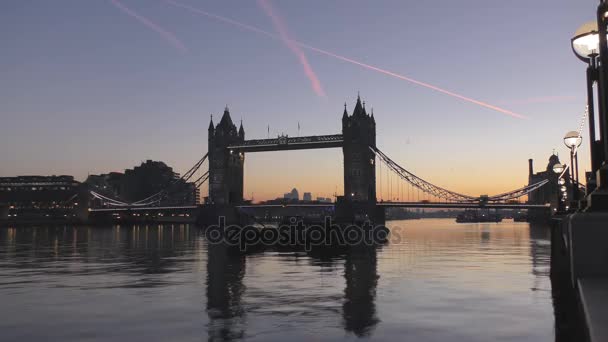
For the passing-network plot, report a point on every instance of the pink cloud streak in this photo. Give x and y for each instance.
(349, 60)
(168, 36)
(281, 28)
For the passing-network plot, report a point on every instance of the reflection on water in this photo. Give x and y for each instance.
(436, 280)
(225, 272)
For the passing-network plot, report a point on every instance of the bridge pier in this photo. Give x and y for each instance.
(225, 164)
(210, 214)
(359, 212)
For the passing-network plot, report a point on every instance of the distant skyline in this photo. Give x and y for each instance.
(100, 86)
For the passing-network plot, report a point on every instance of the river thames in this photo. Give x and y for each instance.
(435, 281)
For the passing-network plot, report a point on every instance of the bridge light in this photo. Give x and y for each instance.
(558, 168)
(563, 188)
(586, 41)
(573, 139)
(561, 181)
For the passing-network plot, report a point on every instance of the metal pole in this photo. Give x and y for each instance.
(576, 169)
(603, 76)
(574, 191)
(591, 77)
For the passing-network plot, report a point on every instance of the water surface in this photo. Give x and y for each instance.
(436, 281)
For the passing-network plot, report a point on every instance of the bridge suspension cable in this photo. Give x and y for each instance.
(420, 183)
(439, 193)
(518, 193)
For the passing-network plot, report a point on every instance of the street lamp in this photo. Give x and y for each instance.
(590, 44)
(561, 181)
(586, 41)
(558, 168)
(586, 46)
(573, 141)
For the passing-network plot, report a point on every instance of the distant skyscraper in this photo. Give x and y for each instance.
(307, 197)
(293, 195)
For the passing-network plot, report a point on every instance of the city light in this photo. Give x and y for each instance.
(558, 168)
(573, 139)
(586, 41)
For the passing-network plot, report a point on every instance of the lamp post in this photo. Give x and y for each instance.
(590, 44)
(559, 169)
(573, 141)
(585, 45)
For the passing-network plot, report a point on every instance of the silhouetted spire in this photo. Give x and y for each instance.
(226, 121)
(345, 114)
(358, 111)
(211, 127)
(373, 120)
(241, 130)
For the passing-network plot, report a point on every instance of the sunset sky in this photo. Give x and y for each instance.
(89, 87)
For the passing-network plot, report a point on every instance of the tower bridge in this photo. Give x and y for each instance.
(227, 148)
(363, 162)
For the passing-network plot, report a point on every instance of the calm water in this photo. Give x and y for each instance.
(441, 282)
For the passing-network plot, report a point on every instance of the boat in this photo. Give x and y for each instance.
(474, 216)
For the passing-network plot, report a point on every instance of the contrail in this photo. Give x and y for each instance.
(349, 60)
(281, 28)
(170, 37)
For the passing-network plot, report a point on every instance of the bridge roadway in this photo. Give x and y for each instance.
(430, 205)
(436, 205)
(284, 143)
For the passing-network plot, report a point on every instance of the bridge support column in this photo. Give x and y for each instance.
(225, 165)
(359, 133)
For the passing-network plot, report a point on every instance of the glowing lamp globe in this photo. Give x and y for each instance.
(561, 181)
(563, 189)
(558, 168)
(586, 41)
(573, 139)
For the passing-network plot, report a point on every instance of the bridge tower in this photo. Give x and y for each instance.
(225, 166)
(359, 133)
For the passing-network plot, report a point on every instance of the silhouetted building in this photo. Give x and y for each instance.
(359, 131)
(307, 197)
(225, 166)
(293, 195)
(550, 193)
(108, 183)
(42, 196)
(143, 181)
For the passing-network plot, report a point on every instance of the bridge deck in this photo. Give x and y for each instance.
(454, 205)
(436, 205)
(289, 143)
